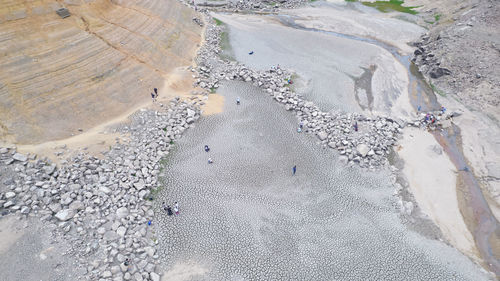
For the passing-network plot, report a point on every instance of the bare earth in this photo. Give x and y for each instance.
(61, 75)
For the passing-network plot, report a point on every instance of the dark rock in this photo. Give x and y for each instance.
(438, 72)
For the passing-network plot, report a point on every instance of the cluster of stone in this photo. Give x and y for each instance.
(426, 60)
(103, 206)
(434, 120)
(244, 5)
(367, 145)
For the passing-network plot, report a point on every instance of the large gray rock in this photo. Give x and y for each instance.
(65, 214)
(122, 212)
(49, 170)
(322, 135)
(55, 207)
(20, 157)
(10, 194)
(111, 236)
(190, 112)
(363, 149)
(76, 205)
(343, 159)
(121, 231)
(154, 277)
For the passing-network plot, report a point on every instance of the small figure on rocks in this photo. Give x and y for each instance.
(210, 161)
(418, 108)
(294, 170)
(356, 126)
(126, 262)
(237, 101)
(251, 53)
(169, 211)
(443, 109)
(301, 125)
(149, 222)
(207, 149)
(290, 81)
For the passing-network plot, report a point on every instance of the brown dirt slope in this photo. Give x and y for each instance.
(59, 75)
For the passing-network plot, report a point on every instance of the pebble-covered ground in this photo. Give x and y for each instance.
(245, 217)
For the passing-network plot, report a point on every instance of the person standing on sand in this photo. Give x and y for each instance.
(294, 170)
(153, 97)
(156, 93)
(207, 149)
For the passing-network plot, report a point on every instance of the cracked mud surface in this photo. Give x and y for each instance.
(245, 217)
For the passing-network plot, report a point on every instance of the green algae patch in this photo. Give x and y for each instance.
(388, 6)
(218, 21)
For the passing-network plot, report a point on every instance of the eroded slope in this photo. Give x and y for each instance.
(60, 75)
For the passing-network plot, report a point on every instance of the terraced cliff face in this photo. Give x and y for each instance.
(58, 75)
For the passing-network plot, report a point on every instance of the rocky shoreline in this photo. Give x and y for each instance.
(101, 206)
(244, 5)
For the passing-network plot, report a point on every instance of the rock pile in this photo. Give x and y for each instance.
(245, 5)
(102, 206)
(434, 120)
(367, 146)
(459, 58)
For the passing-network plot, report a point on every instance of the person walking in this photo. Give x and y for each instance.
(210, 161)
(294, 170)
(207, 149)
(169, 211)
(356, 126)
(153, 97)
(237, 101)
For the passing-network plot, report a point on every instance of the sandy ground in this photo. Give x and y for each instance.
(338, 61)
(481, 147)
(214, 104)
(367, 23)
(184, 271)
(432, 179)
(99, 138)
(9, 233)
(28, 251)
(62, 75)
